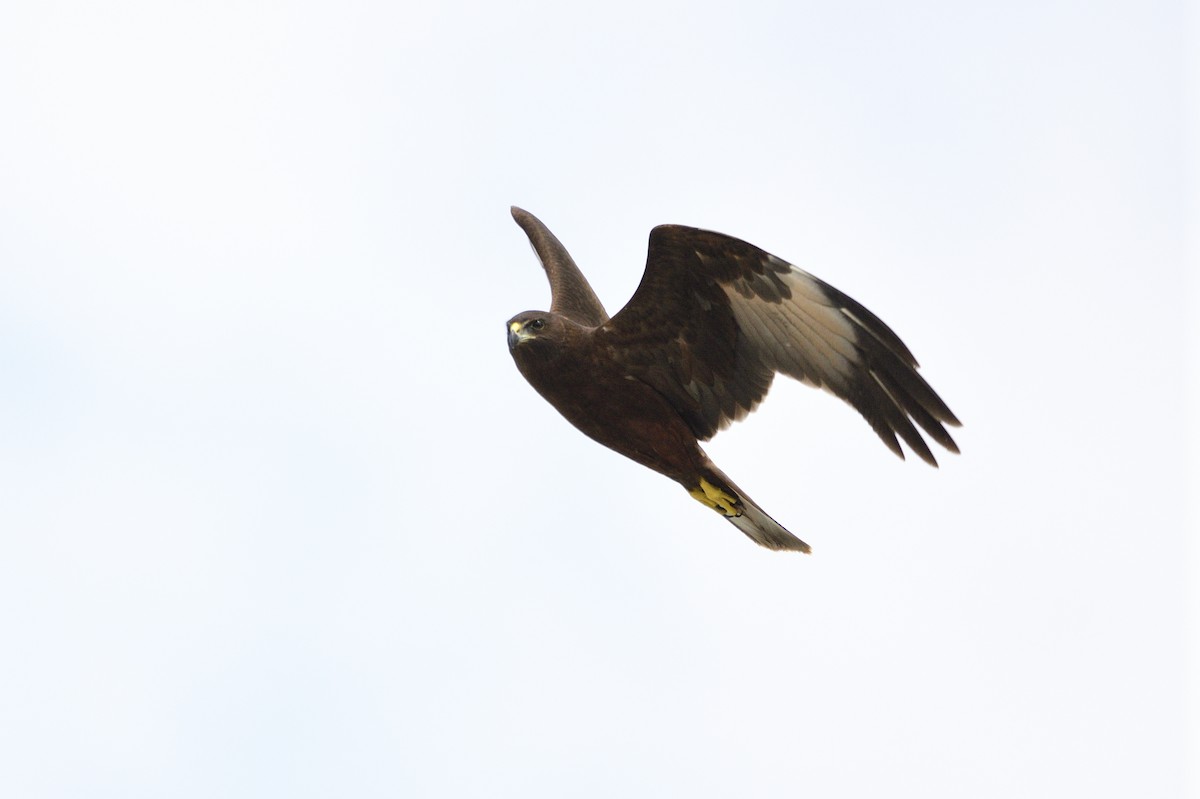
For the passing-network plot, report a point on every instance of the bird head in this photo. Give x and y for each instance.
(545, 338)
(526, 327)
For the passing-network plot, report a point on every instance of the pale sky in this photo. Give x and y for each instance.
(279, 517)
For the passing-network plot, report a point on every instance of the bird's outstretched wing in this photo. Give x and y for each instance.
(715, 318)
(570, 293)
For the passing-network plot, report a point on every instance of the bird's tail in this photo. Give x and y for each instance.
(721, 494)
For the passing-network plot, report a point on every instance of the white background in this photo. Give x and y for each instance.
(278, 516)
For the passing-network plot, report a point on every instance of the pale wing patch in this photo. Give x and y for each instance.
(796, 331)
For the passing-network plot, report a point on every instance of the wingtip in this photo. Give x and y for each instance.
(537, 232)
(570, 293)
(526, 220)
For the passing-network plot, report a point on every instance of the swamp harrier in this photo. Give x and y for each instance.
(697, 347)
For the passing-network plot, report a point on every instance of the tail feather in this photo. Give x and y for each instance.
(752, 519)
(763, 530)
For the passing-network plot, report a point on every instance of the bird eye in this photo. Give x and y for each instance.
(537, 324)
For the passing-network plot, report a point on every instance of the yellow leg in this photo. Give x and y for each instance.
(713, 497)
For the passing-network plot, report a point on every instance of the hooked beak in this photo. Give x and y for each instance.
(516, 334)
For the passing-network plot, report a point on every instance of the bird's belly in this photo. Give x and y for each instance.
(628, 416)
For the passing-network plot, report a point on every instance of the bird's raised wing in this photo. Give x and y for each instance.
(570, 293)
(715, 318)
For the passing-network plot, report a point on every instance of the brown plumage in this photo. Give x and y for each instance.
(697, 347)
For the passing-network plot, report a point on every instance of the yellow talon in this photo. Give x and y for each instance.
(713, 497)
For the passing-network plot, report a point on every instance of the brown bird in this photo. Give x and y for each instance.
(697, 347)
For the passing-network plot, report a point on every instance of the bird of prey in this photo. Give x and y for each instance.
(697, 346)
